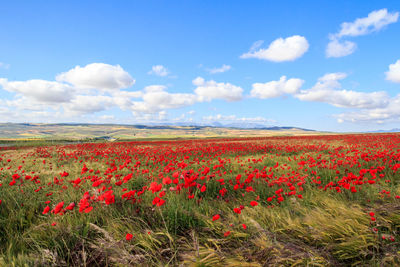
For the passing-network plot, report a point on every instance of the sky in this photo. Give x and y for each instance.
(322, 65)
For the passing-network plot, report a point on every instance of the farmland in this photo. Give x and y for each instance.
(60, 132)
(312, 200)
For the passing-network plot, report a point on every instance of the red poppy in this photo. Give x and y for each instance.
(254, 203)
(216, 217)
(70, 206)
(128, 236)
(46, 210)
(58, 207)
(203, 188)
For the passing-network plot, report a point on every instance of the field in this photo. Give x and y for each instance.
(317, 200)
(84, 132)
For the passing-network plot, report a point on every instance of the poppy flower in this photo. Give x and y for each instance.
(160, 202)
(58, 207)
(203, 188)
(216, 217)
(70, 206)
(46, 210)
(167, 180)
(237, 210)
(128, 236)
(253, 203)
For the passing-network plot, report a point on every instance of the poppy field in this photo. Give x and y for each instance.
(328, 200)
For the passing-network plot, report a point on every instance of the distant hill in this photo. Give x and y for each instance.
(394, 130)
(238, 125)
(78, 131)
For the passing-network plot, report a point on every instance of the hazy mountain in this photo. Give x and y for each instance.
(394, 130)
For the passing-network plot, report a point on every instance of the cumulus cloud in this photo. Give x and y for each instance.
(394, 72)
(389, 113)
(209, 90)
(156, 99)
(280, 50)
(87, 104)
(327, 90)
(159, 70)
(338, 48)
(375, 21)
(41, 91)
(224, 68)
(67, 93)
(97, 87)
(276, 88)
(97, 76)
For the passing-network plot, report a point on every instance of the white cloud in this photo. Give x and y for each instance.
(165, 100)
(123, 99)
(280, 50)
(394, 72)
(375, 21)
(209, 90)
(66, 98)
(41, 91)
(86, 104)
(156, 99)
(276, 88)
(224, 68)
(97, 76)
(389, 113)
(29, 104)
(66, 94)
(326, 90)
(97, 87)
(338, 48)
(159, 70)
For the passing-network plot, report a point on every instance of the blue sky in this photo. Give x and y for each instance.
(322, 65)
